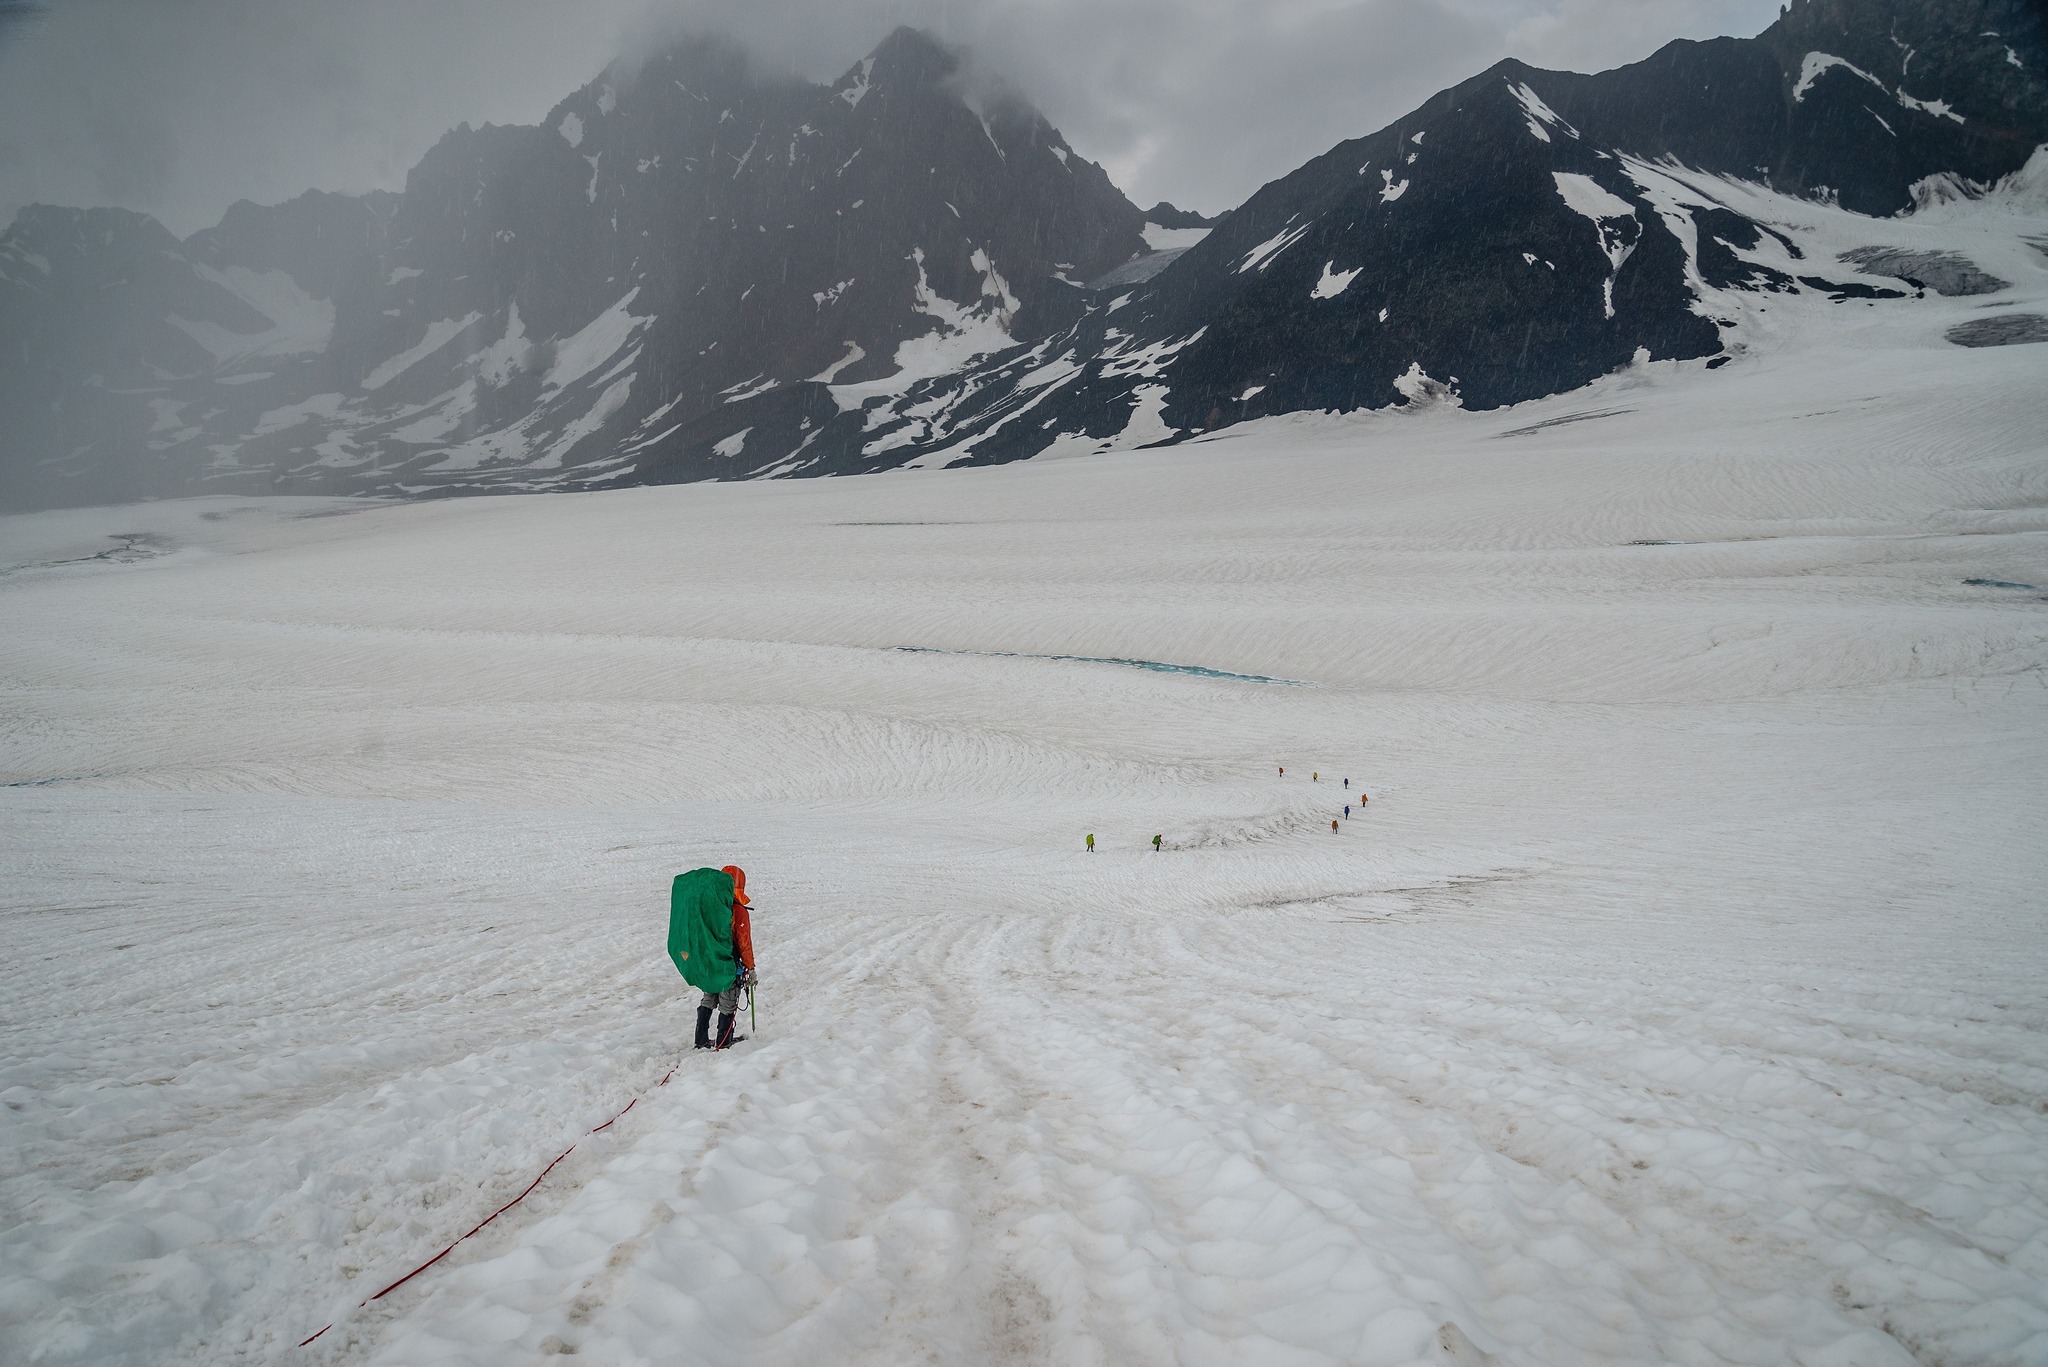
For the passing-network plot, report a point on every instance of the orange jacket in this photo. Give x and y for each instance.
(742, 928)
(742, 935)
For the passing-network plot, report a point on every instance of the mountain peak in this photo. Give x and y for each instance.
(913, 57)
(1168, 215)
(906, 43)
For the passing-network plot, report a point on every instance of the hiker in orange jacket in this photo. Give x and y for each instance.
(727, 1003)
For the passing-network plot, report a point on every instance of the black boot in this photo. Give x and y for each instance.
(726, 1038)
(703, 1027)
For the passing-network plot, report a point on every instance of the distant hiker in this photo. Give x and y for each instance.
(1283, 771)
(1314, 777)
(1347, 783)
(1333, 824)
(1155, 843)
(1091, 843)
(711, 942)
(1347, 811)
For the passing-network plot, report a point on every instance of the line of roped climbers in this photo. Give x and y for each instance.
(1315, 776)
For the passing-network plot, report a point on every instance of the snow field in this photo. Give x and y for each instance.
(1676, 999)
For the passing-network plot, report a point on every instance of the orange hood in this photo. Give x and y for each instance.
(739, 884)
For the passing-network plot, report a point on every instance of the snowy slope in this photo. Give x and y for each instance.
(1678, 997)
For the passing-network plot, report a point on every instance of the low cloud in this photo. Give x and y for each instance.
(179, 109)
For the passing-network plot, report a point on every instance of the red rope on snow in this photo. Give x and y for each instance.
(486, 1220)
(608, 1124)
(496, 1213)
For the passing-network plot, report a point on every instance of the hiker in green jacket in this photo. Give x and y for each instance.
(711, 943)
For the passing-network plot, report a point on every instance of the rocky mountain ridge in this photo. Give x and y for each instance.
(1519, 235)
(692, 271)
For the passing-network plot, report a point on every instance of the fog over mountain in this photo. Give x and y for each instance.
(178, 110)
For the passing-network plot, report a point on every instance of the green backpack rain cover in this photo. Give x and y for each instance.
(700, 929)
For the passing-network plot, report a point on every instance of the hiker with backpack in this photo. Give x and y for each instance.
(711, 943)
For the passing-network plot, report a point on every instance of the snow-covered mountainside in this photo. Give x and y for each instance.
(690, 272)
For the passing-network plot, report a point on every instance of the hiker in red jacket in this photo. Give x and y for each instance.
(727, 1003)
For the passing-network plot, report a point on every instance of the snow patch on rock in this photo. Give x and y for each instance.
(595, 342)
(1817, 64)
(439, 334)
(1585, 196)
(1334, 281)
(497, 363)
(861, 83)
(1537, 113)
(299, 323)
(854, 355)
(1172, 239)
(320, 406)
(1420, 392)
(1259, 257)
(609, 402)
(1938, 108)
(1147, 423)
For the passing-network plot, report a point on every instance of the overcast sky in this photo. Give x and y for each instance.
(180, 107)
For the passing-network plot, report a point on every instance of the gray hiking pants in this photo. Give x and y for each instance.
(727, 1001)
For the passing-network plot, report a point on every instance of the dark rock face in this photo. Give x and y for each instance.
(1859, 100)
(692, 271)
(1413, 248)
